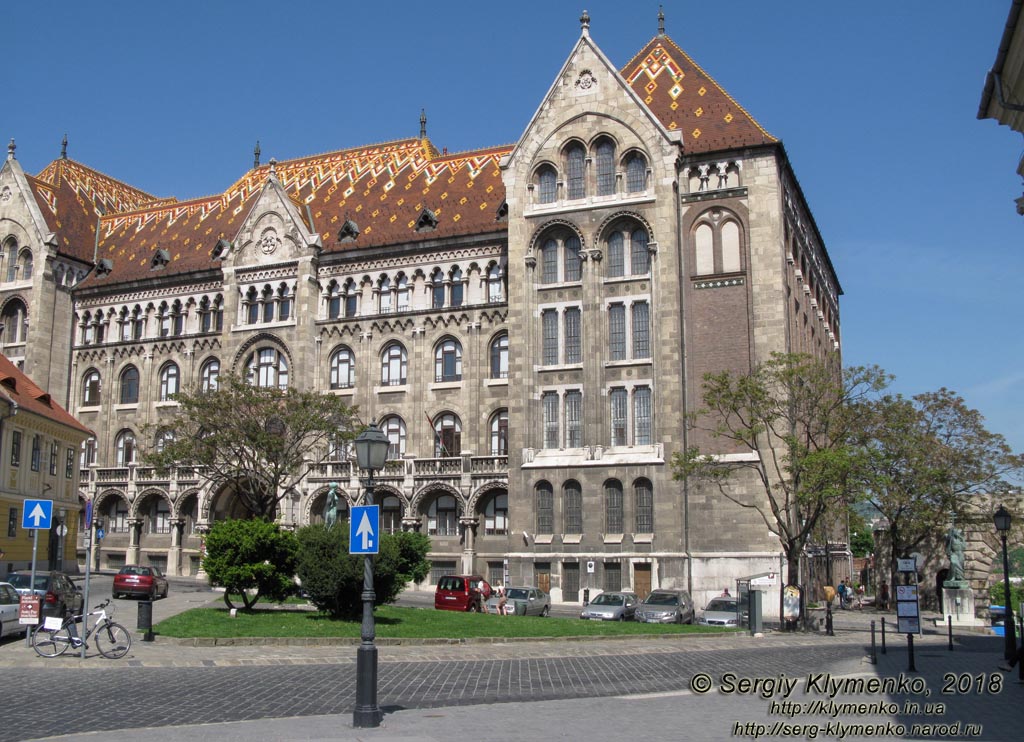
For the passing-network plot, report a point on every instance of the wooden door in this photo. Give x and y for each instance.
(642, 580)
(543, 572)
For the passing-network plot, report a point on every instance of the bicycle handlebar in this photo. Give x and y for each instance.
(102, 605)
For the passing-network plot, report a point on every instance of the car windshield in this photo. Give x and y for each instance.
(518, 593)
(22, 581)
(721, 604)
(606, 599)
(134, 571)
(450, 583)
(662, 599)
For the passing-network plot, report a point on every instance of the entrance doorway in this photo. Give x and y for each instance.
(642, 580)
(542, 570)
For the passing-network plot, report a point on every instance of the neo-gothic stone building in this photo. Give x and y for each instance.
(529, 325)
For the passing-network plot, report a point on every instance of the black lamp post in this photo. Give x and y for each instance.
(1002, 520)
(371, 453)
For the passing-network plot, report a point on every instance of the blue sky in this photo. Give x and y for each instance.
(875, 102)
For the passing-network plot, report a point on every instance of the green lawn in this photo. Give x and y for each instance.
(405, 623)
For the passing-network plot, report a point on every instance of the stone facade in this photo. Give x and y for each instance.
(528, 324)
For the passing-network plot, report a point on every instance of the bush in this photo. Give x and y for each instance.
(243, 556)
(997, 594)
(333, 578)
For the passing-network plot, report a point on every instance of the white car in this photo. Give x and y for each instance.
(720, 612)
(9, 600)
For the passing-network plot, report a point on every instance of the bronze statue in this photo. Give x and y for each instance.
(331, 507)
(955, 545)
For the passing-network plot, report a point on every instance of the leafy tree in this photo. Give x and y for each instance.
(333, 578)
(798, 415)
(259, 441)
(250, 555)
(926, 458)
(862, 541)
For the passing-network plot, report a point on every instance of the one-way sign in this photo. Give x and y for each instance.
(38, 514)
(364, 530)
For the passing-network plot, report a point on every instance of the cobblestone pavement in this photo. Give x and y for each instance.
(556, 690)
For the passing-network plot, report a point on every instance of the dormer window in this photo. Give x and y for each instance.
(104, 266)
(160, 259)
(502, 214)
(220, 250)
(349, 231)
(427, 221)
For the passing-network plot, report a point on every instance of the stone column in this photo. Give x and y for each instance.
(174, 553)
(469, 551)
(134, 537)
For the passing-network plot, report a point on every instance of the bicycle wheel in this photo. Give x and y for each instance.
(113, 640)
(49, 643)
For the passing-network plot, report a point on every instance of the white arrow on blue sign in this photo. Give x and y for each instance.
(364, 530)
(38, 514)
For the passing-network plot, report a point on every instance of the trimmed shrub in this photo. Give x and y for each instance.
(251, 558)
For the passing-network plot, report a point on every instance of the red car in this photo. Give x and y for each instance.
(461, 593)
(144, 582)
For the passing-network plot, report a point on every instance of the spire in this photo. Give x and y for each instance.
(256, 155)
(423, 123)
(64, 147)
(585, 23)
(273, 166)
(661, 20)
(10, 149)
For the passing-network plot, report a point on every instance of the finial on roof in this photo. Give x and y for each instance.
(585, 22)
(64, 147)
(273, 166)
(661, 20)
(10, 149)
(256, 155)
(423, 123)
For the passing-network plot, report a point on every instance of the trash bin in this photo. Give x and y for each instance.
(145, 620)
(586, 596)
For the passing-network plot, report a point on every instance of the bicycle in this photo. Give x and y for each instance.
(112, 639)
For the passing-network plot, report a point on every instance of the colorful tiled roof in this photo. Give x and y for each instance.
(383, 188)
(16, 386)
(685, 98)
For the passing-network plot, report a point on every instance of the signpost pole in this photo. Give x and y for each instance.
(88, 565)
(32, 583)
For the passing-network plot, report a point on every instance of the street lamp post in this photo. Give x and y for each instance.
(1002, 520)
(371, 452)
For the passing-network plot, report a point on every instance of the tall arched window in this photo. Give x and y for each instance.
(125, 448)
(343, 369)
(547, 182)
(443, 516)
(643, 495)
(130, 386)
(384, 300)
(267, 368)
(91, 388)
(575, 158)
(730, 247)
(705, 246)
(458, 288)
(499, 356)
(571, 251)
(545, 501)
(163, 439)
(394, 365)
(402, 293)
(495, 287)
(390, 514)
(448, 360)
(138, 323)
(549, 262)
(351, 298)
(284, 302)
(616, 255)
(639, 257)
(333, 300)
(613, 506)
(496, 515)
(169, 381)
(636, 172)
(26, 265)
(394, 428)
(252, 305)
(447, 436)
(11, 255)
(572, 499)
(605, 167)
(267, 300)
(15, 322)
(437, 289)
(499, 433)
(209, 375)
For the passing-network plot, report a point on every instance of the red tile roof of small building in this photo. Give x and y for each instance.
(19, 388)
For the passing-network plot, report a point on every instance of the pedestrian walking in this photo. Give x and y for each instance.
(842, 590)
(883, 597)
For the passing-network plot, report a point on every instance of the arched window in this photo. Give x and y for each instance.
(209, 375)
(11, 255)
(91, 388)
(705, 246)
(495, 286)
(568, 245)
(643, 496)
(499, 433)
(390, 514)
(499, 356)
(636, 172)
(169, 381)
(394, 428)
(163, 439)
(730, 247)
(549, 262)
(547, 182)
(448, 360)
(639, 257)
(443, 517)
(572, 499)
(437, 289)
(718, 247)
(625, 234)
(125, 447)
(343, 369)
(205, 315)
(267, 300)
(457, 287)
(402, 294)
(138, 323)
(447, 436)
(616, 255)
(394, 365)
(218, 313)
(575, 158)
(333, 300)
(605, 167)
(267, 368)
(351, 298)
(252, 304)
(384, 300)
(26, 265)
(284, 302)
(130, 386)
(164, 317)
(571, 250)
(496, 515)
(613, 506)
(545, 508)
(15, 322)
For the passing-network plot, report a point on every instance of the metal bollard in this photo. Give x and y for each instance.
(883, 635)
(910, 653)
(949, 628)
(874, 652)
(145, 620)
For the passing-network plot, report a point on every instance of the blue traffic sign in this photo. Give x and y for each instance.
(364, 530)
(88, 514)
(38, 514)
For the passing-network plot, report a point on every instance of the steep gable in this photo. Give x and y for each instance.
(22, 391)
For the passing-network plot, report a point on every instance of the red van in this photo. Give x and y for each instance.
(461, 593)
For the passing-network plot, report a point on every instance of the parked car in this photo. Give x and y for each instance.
(616, 606)
(666, 606)
(9, 600)
(720, 612)
(528, 601)
(60, 595)
(143, 582)
(461, 593)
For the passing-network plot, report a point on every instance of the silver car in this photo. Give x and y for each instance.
(9, 611)
(523, 601)
(618, 606)
(720, 612)
(666, 606)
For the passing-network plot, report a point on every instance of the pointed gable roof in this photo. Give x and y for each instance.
(685, 98)
(16, 387)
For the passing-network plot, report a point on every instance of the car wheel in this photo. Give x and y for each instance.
(545, 612)
(622, 617)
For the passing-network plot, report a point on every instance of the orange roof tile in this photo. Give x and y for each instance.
(29, 397)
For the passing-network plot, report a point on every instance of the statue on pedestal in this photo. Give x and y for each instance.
(955, 545)
(331, 506)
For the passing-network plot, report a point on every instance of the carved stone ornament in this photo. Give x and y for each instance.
(269, 241)
(586, 81)
(5, 194)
